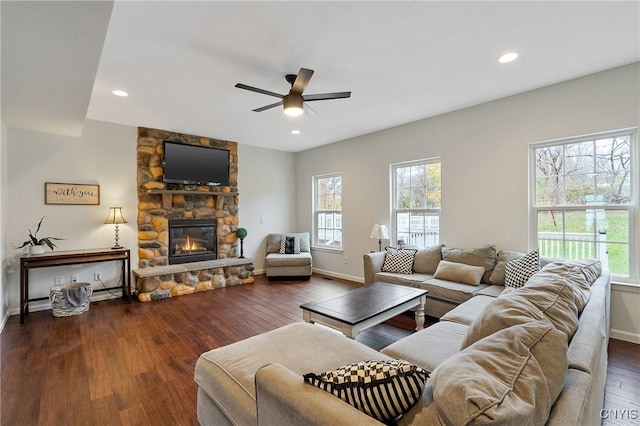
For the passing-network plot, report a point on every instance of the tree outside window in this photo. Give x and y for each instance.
(416, 203)
(583, 199)
(328, 211)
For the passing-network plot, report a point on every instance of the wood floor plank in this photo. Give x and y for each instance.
(126, 364)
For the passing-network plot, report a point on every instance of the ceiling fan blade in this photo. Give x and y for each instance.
(324, 96)
(304, 75)
(266, 107)
(308, 110)
(255, 89)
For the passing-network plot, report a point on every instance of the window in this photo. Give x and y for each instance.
(416, 203)
(328, 211)
(583, 199)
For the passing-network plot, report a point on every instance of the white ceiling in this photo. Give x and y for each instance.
(403, 61)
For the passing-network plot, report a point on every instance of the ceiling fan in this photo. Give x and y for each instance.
(295, 102)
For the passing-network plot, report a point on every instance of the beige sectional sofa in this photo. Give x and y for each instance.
(534, 355)
(444, 295)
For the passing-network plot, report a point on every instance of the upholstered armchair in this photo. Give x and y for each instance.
(288, 255)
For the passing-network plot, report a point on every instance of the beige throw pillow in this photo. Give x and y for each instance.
(511, 377)
(426, 260)
(504, 256)
(484, 256)
(459, 272)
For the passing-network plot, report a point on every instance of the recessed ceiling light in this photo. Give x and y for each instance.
(507, 57)
(120, 93)
(295, 132)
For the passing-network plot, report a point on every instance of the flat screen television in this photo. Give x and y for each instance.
(195, 164)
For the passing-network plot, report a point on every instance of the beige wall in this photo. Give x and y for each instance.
(484, 152)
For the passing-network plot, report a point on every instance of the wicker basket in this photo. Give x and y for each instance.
(61, 306)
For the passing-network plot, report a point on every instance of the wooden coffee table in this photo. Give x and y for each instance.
(365, 307)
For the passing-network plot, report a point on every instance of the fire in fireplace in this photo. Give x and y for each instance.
(192, 240)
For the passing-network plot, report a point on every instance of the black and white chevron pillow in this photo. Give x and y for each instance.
(517, 272)
(382, 389)
(398, 260)
(289, 245)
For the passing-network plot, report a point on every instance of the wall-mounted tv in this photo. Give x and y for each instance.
(195, 164)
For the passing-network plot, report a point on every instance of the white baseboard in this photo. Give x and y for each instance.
(625, 335)
(337, 275)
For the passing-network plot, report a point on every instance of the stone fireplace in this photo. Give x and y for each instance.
(192, 240)
(186, 233)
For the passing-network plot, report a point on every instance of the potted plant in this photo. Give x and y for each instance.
(36, 246)
(241, 233)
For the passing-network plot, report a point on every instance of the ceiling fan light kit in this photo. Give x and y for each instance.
(293, 105)
(294, 102)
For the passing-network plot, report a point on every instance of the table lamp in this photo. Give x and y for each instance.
(115, 217)
(379, 231)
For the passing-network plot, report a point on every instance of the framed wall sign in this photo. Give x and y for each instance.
(71, 193)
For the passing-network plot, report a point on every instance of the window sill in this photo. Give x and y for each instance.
(327, 249)
(627, 287)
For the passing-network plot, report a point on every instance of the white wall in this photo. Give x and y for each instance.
(484, 152)
(4, 294)
(266, 183)
(105, 154)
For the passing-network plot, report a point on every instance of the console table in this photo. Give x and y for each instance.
(71, 257)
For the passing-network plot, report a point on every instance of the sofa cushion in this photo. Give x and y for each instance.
(511, 377)
(503, 256)
(273, 241)
(449, 290)
(411, 280)
(547, 296)
(467, 312)
(398, 260)
(484, 256)
(518, 271)
(430, 347)
(459, 272)
(381, 389)
(277, 259)
(426, 260)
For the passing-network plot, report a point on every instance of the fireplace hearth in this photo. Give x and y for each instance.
(192, 240)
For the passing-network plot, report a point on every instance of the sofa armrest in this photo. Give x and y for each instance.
(283, 398)
(372, 265)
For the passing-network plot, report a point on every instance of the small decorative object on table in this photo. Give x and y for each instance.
(36, 246)
(241, 233)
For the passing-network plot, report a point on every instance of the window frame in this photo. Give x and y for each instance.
(394, 189)
(316, 213)
(631, 207)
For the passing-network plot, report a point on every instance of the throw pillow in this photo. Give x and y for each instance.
(509, 378)
(382, 389)
(459, 272)
(426, 260)
(517, 272)
(289, 245)
(398, 260)
(504, 256)
(483, 256)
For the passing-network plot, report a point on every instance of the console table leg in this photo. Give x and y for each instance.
(420, 314)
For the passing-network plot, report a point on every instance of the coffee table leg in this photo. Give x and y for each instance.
(420, 314)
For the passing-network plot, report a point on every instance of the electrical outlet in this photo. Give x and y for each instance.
(58, 280)
(75, 278)
(97, 276)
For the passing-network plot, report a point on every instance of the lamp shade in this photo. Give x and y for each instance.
(115, 216)
(379, 231)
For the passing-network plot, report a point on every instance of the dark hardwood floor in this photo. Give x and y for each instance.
(132, 364)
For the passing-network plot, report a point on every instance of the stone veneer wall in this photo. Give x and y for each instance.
(153, 217)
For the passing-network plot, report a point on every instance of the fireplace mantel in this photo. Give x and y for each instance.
(167, 195)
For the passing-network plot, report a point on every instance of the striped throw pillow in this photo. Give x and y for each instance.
(382, 389)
